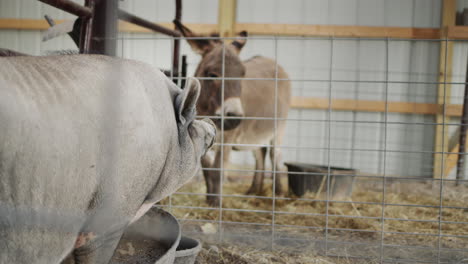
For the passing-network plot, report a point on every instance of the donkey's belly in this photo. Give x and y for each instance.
(252, 139)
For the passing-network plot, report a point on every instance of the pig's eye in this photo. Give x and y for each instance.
(212, 75)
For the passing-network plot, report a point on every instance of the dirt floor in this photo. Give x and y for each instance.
(412, 213)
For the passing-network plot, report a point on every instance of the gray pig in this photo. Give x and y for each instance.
(88, 144)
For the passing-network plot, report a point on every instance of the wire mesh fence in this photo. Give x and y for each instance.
(363, 114)
(393, 213)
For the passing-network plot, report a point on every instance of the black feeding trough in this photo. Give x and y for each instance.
(305, 177)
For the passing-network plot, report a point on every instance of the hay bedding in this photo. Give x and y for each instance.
(397, 192)
(228, 254)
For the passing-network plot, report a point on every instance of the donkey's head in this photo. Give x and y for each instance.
(211, 67)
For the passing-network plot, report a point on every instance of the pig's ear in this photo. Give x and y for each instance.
(186, 102)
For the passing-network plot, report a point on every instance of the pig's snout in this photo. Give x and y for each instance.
(210, 134)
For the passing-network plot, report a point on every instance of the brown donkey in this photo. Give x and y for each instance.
(251, 100)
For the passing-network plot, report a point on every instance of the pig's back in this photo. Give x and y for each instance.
(76, 127)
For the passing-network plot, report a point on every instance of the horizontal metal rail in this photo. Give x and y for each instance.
(340, 242)
(335, 39)
(253, 146)
(317, 200)
(416, 178)
(325, 80)
(321, 215)
(323, 228)
(85, 12)
(70, 7)
(124, 15)
(357, 243)
(338, 121)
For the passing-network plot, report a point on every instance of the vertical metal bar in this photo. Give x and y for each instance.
(329, 112)
(273, 148)
(354, 113)
(86, 29)
(176, 48)
(172, 78)
(104, 28)
(441, 173)
(221, 172)
(171, 71)
(355, 97)
(183, 72)
(384, 156)
(462, 140)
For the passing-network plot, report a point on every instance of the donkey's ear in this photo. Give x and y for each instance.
(186, 102)
(240, 42)
(200, 46)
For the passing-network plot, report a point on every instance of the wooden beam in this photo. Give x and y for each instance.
(457, 32)
(339, 31)
(199, 28)
(451, 159)
(444, 88)
(227, 17)
(25, 24)
(451, 32)
(373, 106)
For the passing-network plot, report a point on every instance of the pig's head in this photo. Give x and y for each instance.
(194, 138)
(200, 132)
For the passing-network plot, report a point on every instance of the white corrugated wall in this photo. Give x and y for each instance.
(357, 68)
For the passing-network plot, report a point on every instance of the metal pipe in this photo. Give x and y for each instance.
(183, 71)
(86, 30)
(176, 51)
(74, 34)
(11, 53)
(146, 24)
(70, 7)
(49, 20)
(462, 144)
(103, 37)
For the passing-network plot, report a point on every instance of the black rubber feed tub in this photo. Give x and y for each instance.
(187, 251)
(156, 239)
(313, 178)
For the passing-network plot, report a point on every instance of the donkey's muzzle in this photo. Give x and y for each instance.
(230, 121)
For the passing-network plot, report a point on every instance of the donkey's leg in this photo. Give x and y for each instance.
(207, 163)
(277, 157)
(257, 181)
(215, 175)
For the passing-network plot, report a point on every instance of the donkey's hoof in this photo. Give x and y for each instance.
(255, 191)
(251, 191)
(212, 201)
(278, 190)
